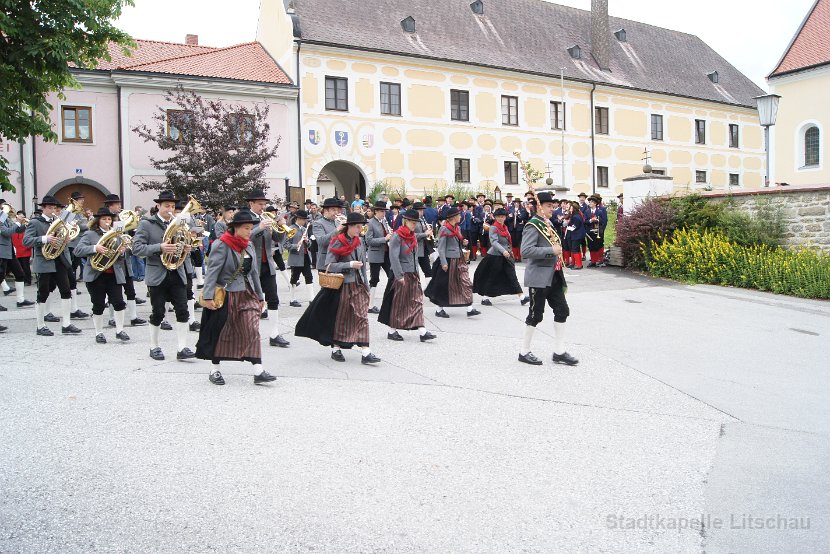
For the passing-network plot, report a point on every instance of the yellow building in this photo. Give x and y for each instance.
(802, 79)
(422, 95)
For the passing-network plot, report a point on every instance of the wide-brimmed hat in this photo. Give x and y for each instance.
(77, 195)
(165, 196)
(596, 198)
(379, 205)
(451, 212)
(301, 214)
(103, 212)
(355, 218)
(545, 197)
(50, 200)
(229, 207)
(412, 215)
(180, 204)
(488, 202)
(332, 203)
(620, 195)
(256, 194)
(294, 205)
(500, 211)
(582, 195)
(243, 216)
(418, 206)
(517, 201)
(271, 209)
(112, 199)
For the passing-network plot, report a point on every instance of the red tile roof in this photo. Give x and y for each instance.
(811, 45)
(245, 62)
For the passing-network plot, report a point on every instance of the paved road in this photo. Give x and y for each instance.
(690, 403)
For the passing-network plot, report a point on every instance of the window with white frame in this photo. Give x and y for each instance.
(76, 122)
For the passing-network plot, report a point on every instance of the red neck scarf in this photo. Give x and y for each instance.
(407, 237)
(348, 246)
(237, 244)
(454, 230)
(502, 229)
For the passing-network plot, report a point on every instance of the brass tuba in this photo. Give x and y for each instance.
(59, 230)
(115, 241)
(178, 234)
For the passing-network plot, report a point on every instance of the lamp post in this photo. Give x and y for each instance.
(767, 114)
(497, 193)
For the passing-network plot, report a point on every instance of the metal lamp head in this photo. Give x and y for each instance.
(768, 109)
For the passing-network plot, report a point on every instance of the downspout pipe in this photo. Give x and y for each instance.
(120, 150)
(593, 142)
(23, 200)
(299, 124)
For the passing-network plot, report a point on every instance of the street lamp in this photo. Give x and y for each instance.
(767, 114)
(497, 193)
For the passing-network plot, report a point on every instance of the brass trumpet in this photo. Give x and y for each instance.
(277, 227)
(12, 213)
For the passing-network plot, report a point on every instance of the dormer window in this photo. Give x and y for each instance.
(477, 7)
(575, 51)
(713, 77)
(408, 24)
(621, 35)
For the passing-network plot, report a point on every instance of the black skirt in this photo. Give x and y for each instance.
(318, 320)
(438, 289)
(496, 276)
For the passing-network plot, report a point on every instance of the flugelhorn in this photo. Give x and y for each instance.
(178, 234)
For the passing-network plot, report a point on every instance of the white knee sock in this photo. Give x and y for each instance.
(310, 288)
(200, 280)
(470, 309)
(392, 330)
(558, 338)
(258, 369)
(286, 277)
(528, 339)
(98, 322)
(191, 310)
(181, 335)
(66, 311)
(372, 293)
(40, 310)
(5, 285)
(154, 336)
(366, 351)
(293, 289)
(112, 311)
(119, 321)
(74, 301)
(422, 331)
(20, 286)
(131, 310)
(275, 323)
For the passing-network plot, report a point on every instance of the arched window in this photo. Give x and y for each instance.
(811, 146)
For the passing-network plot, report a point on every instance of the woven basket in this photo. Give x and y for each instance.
(330, 280)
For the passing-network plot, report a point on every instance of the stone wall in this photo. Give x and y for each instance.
(805, 211)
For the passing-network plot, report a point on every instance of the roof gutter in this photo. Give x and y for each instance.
(593, 142)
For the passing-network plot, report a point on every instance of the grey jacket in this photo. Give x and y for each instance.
(296, 258)
(376, 241)
(82, 224)
(33, 238)
(219, 228)
(400, 260)
(421, 235)
(264, 241)
(498, 244)
(147, 245)
(323, 230)
(8, 227)
(449, 247)
(86, 249)
(343, 265)
(221, 266)
(540, 260)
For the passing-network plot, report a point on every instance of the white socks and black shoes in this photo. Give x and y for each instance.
(183, 352)
(559, 354)
(525, 355)
(276, 339)
(368, 358)
(262, 376)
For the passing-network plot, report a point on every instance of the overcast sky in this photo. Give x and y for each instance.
(751, 34)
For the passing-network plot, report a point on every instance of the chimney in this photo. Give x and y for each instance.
(192, 40)
(601, 34)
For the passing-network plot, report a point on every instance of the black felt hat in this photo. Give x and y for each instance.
(582, 195)
(77, 195)
(301, 214)
(229, 207)
(111, 199)
(50, 200)
(545, 197)
(332, 203)
(103, 212)
(355, 218)
(451, 212)
(243, 216)
(165, 196)
(620, 195)
(412, 215)
(418, 206)
(500, 211)
(379, 205)
(255, 195)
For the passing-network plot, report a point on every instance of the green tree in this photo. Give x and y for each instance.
(39, 42)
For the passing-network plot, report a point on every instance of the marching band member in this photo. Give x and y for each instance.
(51, 274)
(9, 227)
(113, 203)
(164, 285)
(231, 332)
(583, 211)
(573, 233)
(546, 281)
(424, 233)
(597, 220)
(263, 238)
(403, 300)
(81, 220)
(324, 228)
(377, 239)
(496, 274)
(339, 318)
(450, 285)
(299, 259)
(279, 261)
(103, 287)
(189, 268)
(516, 218)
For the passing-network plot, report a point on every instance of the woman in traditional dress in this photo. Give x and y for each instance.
(403, 300)
(496, 273)
(339, 317)
(450, 285)
(231, 332)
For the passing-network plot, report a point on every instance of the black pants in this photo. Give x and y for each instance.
(12, 266)
(374, 271)
(554, 295)
(305, 271)
(47, 282)
(423, 261)
(173, 290)
(27, 269)
(73, 275)
(129, 288)
(269, 286)
(190, 287)
(279, 261)
(105, 289)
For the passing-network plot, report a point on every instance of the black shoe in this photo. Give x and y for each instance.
(199, 287)
(25, 304)
(442, 313)
(138, 322)
(8, 292)
(486, 302)
(51, 318)
(170, 310)
(122, 336)
(394, 336)
(165, 326)
(3, 329)
(565, 359)
(370, 359)
(338, 356)
(374, 310)
(592, 264)
(197, 307)
(78, 314)
(264, 315)
(100, 338)
(279, 341)
(428, 336)
(295, 304)
(185, 354)
(78, 292)
(529, 358)
(140, 301)
(216, 378)
(195, 326)
(264, 377)
(525, 301)
(157, 354)
(45, 332)
(473, 312)
(70, 330)
(111, 323)
(3, 309)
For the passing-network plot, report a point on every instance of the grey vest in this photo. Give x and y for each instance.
(343, 265)
(400, 260)
(540, 260)
(376, 241)
(449, 247)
